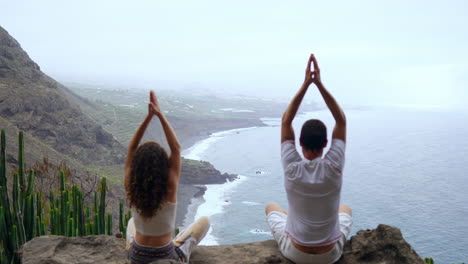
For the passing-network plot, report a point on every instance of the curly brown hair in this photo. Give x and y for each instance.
(149, 173)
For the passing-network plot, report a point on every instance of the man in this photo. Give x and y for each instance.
(315, 228)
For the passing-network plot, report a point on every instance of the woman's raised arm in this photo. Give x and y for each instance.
(174, 145)
(132, 147)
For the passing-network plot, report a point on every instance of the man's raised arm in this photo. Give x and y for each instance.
(339, 131)
(287, 131)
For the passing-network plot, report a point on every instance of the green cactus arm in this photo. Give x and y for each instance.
(31, 178)
(3, 179)
(62, 181)
(70, 227)
(21, 164)
(109, 225)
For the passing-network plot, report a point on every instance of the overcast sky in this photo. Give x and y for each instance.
(370, 52)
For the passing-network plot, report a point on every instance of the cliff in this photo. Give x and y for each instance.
(385, 244)
(64, 131)
(37, 104)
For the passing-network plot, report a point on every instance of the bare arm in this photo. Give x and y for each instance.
(174, 145)
(339, 131)
(132, 147)
(174, 159)
(287, 131)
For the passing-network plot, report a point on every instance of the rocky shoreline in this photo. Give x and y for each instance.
(190, 196)
(185, 197)
(194, 176)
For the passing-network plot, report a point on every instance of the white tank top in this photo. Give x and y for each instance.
(160, 224)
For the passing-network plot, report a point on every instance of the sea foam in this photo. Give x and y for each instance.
(196, 151)
(216, 196)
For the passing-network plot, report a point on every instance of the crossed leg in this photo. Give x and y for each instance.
(345, 209)
(272, 206)
(190, 237)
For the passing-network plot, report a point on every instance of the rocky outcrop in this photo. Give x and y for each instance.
(257, 252)
(202, 172)
(385, 244)
(59, 249)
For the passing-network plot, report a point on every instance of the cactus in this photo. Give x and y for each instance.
(39, 219)
(39, 204)
(16, 193)
(29, 216)
(88, 226)
(121, 219)
(52, 200)
(53, 223)
(3, 255)
(31, 178)
(75, 206)
(128, 215)
(97, 225)
(21, 166)
(109, 224)
(3, 232)
(70, 230)
(66, 210)
(81, 215)
(102, 206)
(14, 240)
(62, 181)
(3, 159)
(429, 260)
(4, 201)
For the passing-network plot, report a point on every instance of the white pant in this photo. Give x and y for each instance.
(277, 222)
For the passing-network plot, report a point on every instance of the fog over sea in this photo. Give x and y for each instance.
(405, 167)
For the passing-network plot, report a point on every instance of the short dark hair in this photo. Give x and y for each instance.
(149, 177)
(313, 135)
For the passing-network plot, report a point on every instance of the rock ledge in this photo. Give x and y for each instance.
(385, 244)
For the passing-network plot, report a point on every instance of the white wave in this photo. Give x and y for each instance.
(195, 152)
(236, 110)
(250, 203)
(260, 232)
(243, 111)
(216, 196)
(199, 148)
(271, 121)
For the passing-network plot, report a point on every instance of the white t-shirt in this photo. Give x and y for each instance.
(313, 189)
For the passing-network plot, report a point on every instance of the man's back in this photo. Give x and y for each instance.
(313, 191)
(315, 228)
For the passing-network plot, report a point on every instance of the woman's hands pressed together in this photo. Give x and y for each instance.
(153, 105)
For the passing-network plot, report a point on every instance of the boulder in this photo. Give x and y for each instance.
(65, 250)
(257, 252)
(383, 245)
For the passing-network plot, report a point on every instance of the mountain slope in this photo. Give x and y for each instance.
(37, 104)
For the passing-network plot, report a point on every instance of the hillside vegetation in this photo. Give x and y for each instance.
(193, 116)
(35, 103)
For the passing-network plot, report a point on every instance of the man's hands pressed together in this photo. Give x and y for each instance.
(312, 76)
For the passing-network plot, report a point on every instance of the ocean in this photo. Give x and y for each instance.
(405, 167)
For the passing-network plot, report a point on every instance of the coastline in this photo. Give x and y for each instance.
(192, 199)
(188, 196)
(203, 129)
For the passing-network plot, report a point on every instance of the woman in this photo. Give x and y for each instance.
(151, 182)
